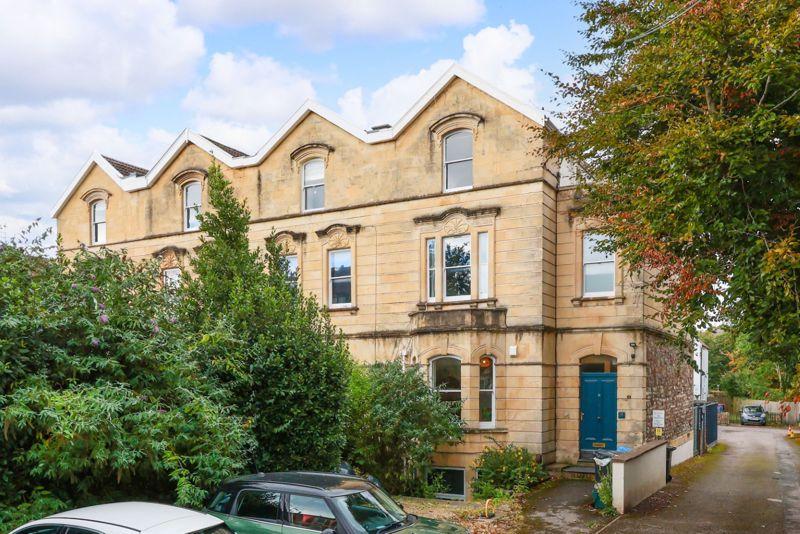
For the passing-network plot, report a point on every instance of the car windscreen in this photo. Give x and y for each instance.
(371, 509)
(753, 409)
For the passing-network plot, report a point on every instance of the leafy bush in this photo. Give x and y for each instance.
(604, 489)
(100, 396)
(504, 470)
(394, 425)
(283, 365)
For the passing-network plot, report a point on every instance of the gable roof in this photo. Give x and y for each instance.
(230, 150)
(126, 169)
(235, 159)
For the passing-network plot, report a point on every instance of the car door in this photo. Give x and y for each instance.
(307, 513)
(256, 511)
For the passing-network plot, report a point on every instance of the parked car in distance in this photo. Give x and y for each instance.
(127, 518)
(302, 502)
(753, 415)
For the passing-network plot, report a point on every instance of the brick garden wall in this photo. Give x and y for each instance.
(669, 388)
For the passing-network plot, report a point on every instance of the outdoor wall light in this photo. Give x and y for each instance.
(633, 346)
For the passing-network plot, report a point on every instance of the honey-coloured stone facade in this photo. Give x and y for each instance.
(384, 199)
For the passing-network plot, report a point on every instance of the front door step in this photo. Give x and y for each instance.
(583, 470)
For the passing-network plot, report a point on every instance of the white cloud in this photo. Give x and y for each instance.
(59, 113)
(318, 22)
(37, 163)
(493, 53)
(53, 49)
(243, 97)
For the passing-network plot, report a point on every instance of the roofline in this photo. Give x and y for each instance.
(186, 137)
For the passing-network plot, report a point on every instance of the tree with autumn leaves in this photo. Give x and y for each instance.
(683, 122)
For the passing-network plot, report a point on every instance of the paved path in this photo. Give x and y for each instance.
(753, 486)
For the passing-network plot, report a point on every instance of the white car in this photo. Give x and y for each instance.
(127, 518)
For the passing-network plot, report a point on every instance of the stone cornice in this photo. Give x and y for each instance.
(466, 212)
(350, 229)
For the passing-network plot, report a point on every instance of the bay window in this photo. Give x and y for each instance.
(457, 275)
(486, 392)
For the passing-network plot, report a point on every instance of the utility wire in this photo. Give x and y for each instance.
(669, 20)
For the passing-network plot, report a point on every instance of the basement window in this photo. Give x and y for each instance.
(454, 479)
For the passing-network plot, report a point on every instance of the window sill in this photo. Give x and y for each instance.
(472, 303)
(601, 300)
(477, 430)
(341, 309)
(457, 189)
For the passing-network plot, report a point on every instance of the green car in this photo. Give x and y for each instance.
(303, 502)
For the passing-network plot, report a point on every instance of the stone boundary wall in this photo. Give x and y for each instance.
(670, 387)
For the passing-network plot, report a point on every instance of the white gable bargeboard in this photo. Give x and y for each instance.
(186, 137)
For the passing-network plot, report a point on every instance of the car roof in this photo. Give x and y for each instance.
(314, 482)
(146, 517)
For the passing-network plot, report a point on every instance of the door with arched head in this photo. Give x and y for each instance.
(598, 423)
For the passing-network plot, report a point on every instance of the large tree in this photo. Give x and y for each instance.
(283, 364)
(683, 124)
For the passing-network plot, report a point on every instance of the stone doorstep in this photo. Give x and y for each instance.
(581, 470)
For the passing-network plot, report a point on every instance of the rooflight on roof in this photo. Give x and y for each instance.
(380, 127)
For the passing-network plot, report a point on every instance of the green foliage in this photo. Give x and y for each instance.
(100, 395)
(505, 469)
(395, 423)
(736, 367)
(38, 504)
(283, 365)
(686, 140)
(606, 493)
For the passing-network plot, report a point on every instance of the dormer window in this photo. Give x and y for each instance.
(314, 185)
(191, 205)
(458, 161)
(98, 214)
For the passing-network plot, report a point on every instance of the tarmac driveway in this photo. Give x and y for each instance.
(754, 486)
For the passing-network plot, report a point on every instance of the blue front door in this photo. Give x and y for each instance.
(598, 411)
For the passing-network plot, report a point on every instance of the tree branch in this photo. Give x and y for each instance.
(766, 86)
(785, 100)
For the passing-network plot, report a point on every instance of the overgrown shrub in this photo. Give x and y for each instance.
(504, 470)
(395, 423)
(282, 363)
(100, 396)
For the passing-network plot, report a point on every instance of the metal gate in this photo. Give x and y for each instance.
(711, 423)
(699, 429)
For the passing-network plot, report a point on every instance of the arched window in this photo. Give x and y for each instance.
(458, 160)
(486, 392)
(446, 379)
(98, 214)
(314, 185)
(191, 205)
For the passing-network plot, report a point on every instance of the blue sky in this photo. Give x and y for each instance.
(125, 78)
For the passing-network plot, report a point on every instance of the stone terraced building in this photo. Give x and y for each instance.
(444, 240)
